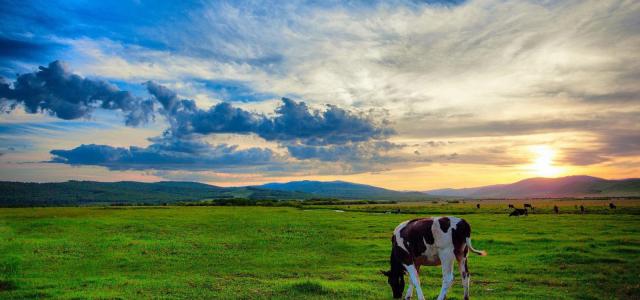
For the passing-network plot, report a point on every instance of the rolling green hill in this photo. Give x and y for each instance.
(13, 194)
(126, 192)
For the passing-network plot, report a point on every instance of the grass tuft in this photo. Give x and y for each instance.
(310, 288)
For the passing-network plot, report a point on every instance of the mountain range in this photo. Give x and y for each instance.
(570, 186)
(130, 192)
(345, 190)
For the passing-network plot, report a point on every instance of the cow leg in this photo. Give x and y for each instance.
(464, 273)
(409, 291)
(415, 280)
(447, 273)
(410, 288)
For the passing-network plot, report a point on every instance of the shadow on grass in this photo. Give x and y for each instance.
(7, 285)
(310, 288)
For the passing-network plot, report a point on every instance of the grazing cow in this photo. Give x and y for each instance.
(581, 208)
(519, 212)
(511, 206)
(556, 209)
(528, 205)
(478, 205)
(612, 206)
(431, 242)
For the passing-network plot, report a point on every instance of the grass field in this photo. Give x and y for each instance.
(289, 253)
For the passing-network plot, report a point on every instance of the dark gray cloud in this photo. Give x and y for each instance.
(622, 142)
(221, 118)
(182, 155)
(582, 157)
(186, 118)
(334, 134)
(166, 97)
(611, 144)
(293, 121)
(57, 91)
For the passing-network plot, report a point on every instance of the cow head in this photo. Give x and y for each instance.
(396, 281)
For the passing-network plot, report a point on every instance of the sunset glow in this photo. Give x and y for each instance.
(543, 164)
(410, 95)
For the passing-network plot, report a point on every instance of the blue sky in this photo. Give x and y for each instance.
(402, 94)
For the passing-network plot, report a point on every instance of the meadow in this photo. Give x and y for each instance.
(303, 253)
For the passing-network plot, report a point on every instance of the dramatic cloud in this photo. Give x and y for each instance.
(292, 121)
(304, 131)
(57, 91)
(469, 85)
(185, 155)
(610, 144)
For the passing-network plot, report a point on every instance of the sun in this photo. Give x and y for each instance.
(543, 161)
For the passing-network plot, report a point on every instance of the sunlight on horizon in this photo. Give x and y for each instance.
(543, 164)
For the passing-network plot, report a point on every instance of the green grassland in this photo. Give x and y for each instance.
(290, 253)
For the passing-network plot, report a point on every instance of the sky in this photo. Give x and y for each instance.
(407, 95)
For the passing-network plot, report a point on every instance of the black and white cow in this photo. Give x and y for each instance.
(431, 242)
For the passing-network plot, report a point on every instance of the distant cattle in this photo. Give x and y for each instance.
(556, 209)
(528, 205)
(478, 205)
(519, 212)
(612, 206)
(429, 242)
(511, 206)
(582, 208)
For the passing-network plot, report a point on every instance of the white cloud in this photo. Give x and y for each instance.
(506, 66)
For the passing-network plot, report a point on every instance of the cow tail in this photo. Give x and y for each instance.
(479, 252)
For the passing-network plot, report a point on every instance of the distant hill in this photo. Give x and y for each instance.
(130, 192)
(345, 190)
(127, 192)
(570, 186)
